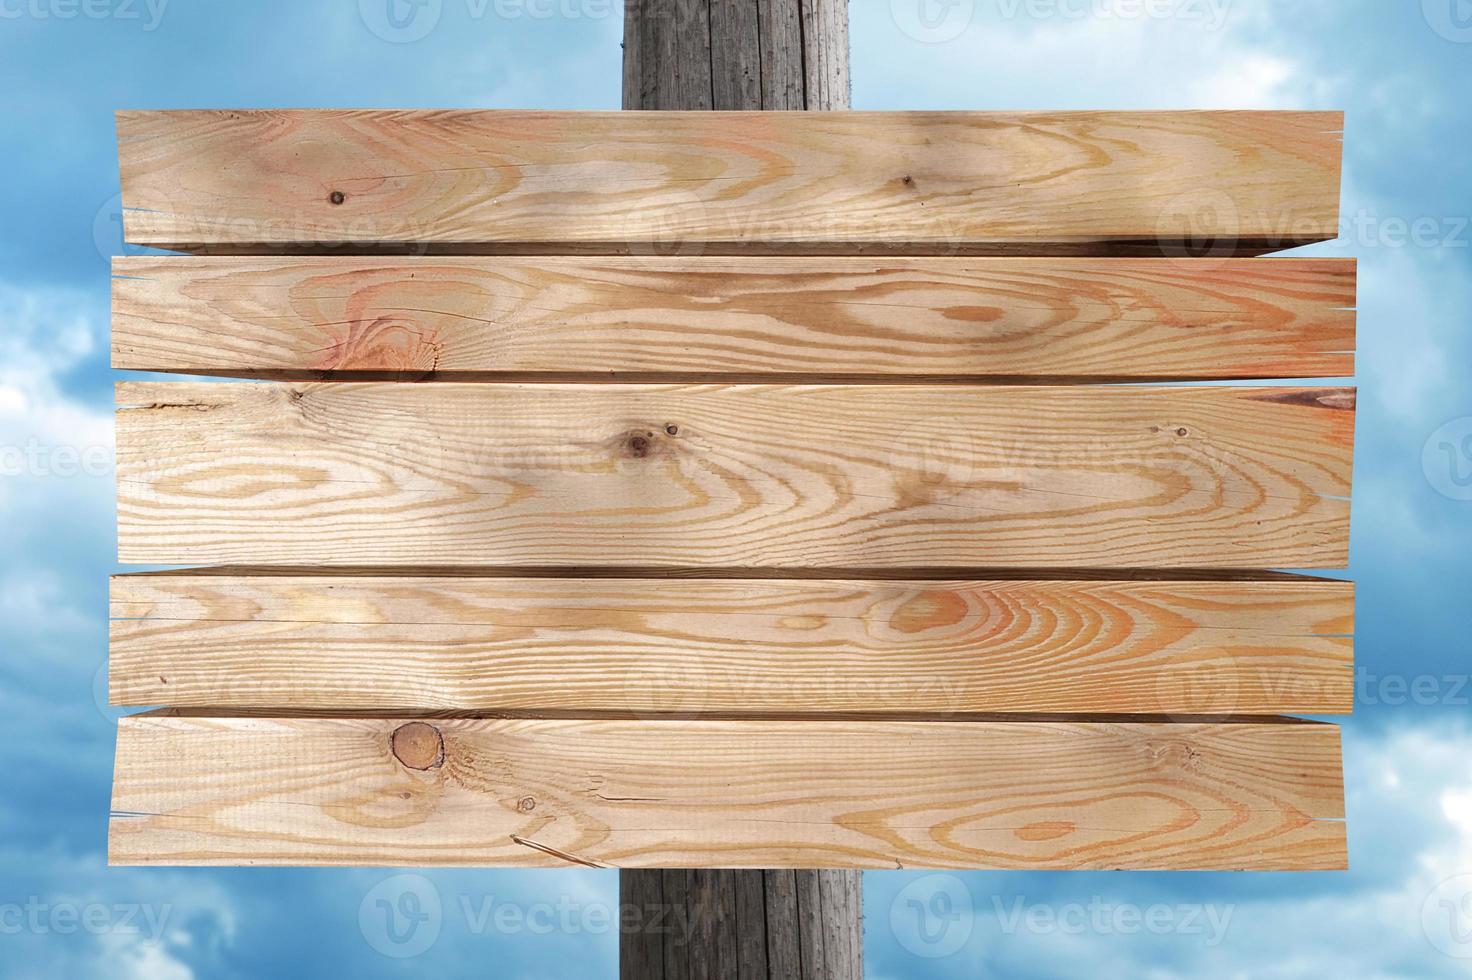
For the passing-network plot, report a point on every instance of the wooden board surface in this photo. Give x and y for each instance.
(707, 317)
(684, 182)
(771, 794)
(848, 476)
(413, 642)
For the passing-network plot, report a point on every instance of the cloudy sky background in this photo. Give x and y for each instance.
(1401, 70)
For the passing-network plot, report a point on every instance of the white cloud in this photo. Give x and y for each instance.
(66, 916)
(44, 335)
(56, 497)
(1196, 55)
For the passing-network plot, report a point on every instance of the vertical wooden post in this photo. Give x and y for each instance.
(741, 925)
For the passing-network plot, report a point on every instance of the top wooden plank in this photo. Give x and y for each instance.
(1181, 183)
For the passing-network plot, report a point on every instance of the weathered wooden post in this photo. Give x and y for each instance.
(740, 54)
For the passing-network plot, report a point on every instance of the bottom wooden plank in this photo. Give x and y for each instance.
(1055, 794)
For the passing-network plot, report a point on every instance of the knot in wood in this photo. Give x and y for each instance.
(418, 746)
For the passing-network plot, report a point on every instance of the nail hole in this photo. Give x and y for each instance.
(337, 197)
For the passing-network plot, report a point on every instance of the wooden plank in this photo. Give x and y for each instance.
(476, 642)
(909, 182)
(691, 66)
(720, 318)
(1057, 794)
(751, 924)
(811, 931)
(642, 891)
(784, 942)
(677, 943)
(736, 59)
(846, 476)
(712, 907)
(838, 911)
(782, 63)
(826, 65)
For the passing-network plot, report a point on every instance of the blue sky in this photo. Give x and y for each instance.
(1402, 71)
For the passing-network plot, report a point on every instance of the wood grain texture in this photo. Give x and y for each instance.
(783, 81)
(1184, 183)
(618, 318)
(735, 56)
(643, 891)
(394, 641)
(814, 476)
(826, 65)
(545, 793)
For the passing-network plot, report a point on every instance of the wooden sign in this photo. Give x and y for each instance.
(748, 490)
